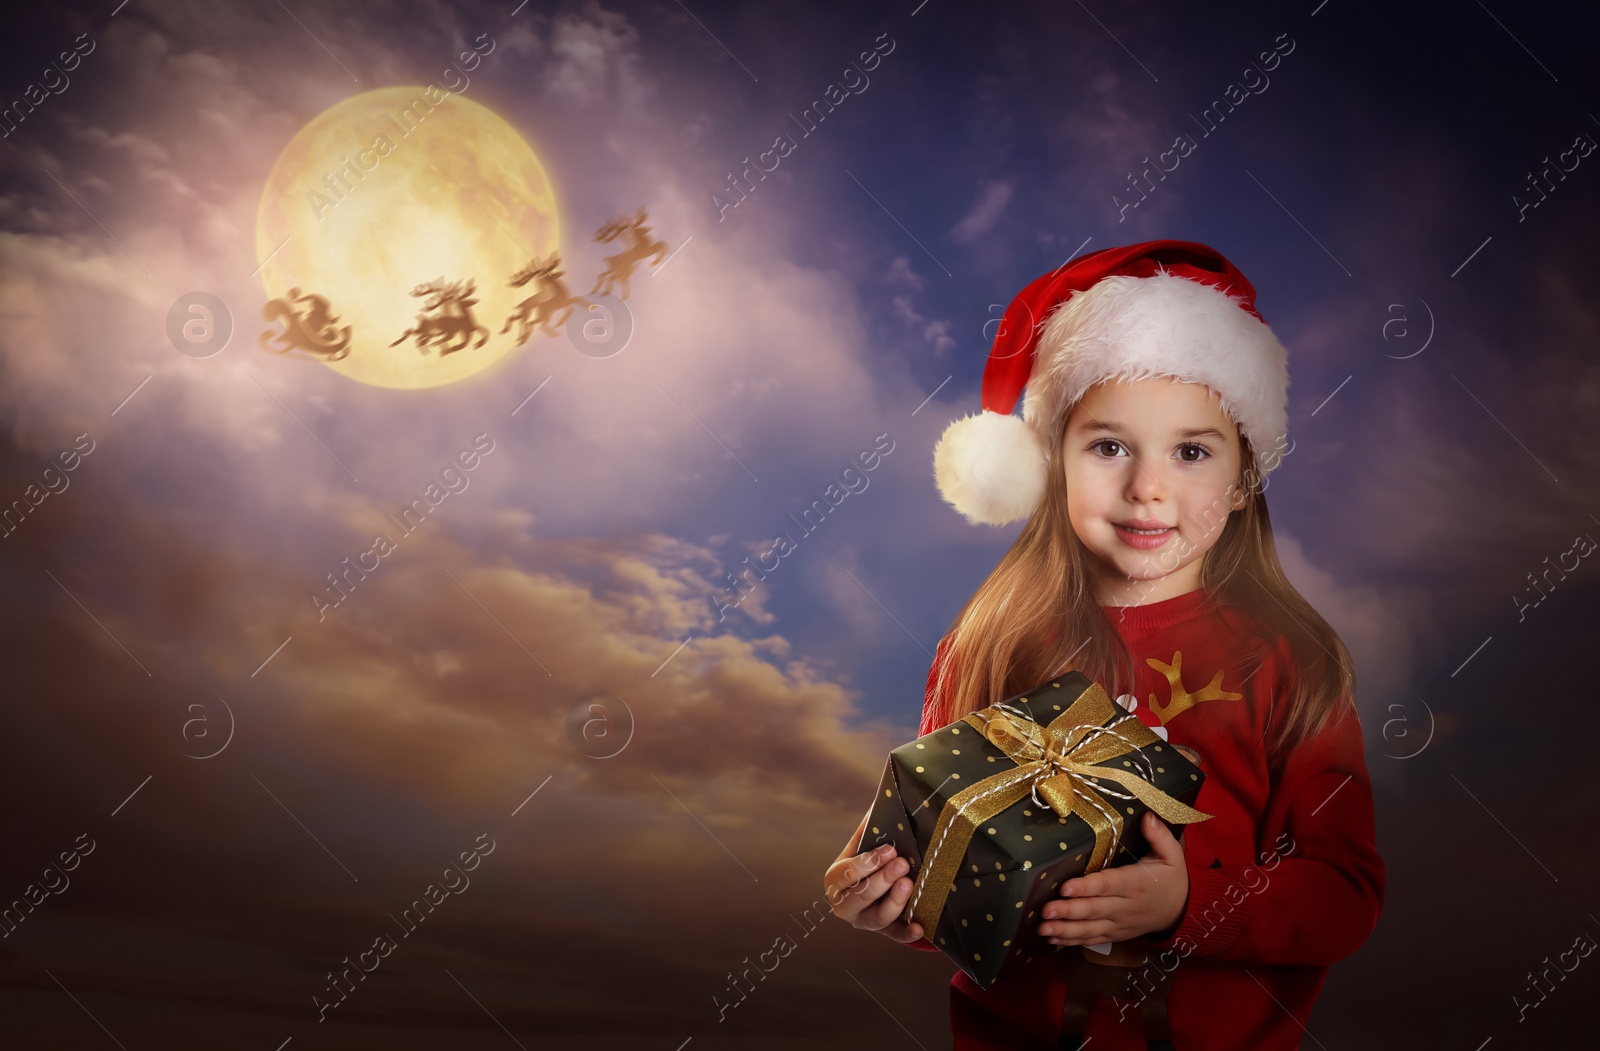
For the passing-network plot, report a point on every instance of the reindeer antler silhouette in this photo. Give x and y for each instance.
(1182, 699)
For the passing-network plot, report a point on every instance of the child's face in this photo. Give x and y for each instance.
(1158, 454)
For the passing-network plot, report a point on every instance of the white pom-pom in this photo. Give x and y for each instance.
(990, 467)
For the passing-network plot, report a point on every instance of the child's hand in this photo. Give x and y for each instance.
(1116, 904)
(869, 890)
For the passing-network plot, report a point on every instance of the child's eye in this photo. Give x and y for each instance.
(1106, 441)
(1201, 449)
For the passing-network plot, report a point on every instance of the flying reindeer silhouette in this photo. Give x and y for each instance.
(550, 298)
(620, 267)
(453, 327)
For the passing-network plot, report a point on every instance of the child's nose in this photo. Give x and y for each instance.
(1144, 483)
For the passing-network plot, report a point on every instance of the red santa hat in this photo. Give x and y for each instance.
(1160, 308)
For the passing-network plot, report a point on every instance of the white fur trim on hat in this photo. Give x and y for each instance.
(1139, 327)
(991, 467)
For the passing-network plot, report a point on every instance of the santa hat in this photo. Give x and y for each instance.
(1160, 308)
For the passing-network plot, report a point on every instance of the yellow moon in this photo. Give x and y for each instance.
(393, 190)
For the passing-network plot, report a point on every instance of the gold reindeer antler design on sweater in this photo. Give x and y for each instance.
(1182, 699)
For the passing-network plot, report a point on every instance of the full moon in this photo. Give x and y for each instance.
(387, 205)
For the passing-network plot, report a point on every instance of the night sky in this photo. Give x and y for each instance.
(258, 782)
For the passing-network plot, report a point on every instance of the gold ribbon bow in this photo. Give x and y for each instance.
(1053, 762)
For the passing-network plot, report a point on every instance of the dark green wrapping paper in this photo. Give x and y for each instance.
(1017, 860)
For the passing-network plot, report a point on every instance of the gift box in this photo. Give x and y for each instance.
(995, 811)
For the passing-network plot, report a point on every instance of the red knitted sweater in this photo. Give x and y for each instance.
(1284, 879)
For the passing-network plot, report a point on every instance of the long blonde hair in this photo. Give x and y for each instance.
(1037, 615)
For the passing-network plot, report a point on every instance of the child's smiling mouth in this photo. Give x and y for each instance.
(1143, 534)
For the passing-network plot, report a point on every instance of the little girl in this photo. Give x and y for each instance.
(1154, 409)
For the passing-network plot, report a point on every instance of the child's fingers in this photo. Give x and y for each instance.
(1082, 908)
(1078, 932)
(876, 890)
(848, 872)
(885, 911)
(1162, 842)
(863, 880)
(1107, 883)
